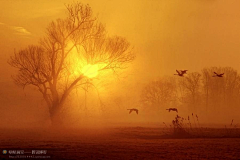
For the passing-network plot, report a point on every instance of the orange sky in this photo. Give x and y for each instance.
(166, 35)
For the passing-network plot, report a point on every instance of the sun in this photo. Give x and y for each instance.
(90, 70)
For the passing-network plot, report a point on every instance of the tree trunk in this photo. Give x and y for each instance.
(55, 115)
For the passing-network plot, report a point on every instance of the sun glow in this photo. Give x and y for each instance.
(90, 70)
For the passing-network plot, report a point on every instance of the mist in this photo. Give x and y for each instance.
(165, 72)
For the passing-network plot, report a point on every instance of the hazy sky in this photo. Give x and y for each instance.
(166, 35)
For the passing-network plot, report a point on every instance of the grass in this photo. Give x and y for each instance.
(190, 127)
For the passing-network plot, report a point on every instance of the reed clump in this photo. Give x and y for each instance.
(190, 127)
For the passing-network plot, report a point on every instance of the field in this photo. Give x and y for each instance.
(118, 143)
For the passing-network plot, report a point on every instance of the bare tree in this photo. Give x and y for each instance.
(206, 80)
(221, 93)
(55, 66)
(160, 93)
(192, 85)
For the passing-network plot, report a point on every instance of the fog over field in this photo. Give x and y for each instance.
(137, 70)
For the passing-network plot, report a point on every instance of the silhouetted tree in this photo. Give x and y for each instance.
(55, 65)
(192, 85)
(160, 93)
(206, 80)
(220, 93)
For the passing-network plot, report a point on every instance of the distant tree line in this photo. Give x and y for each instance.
(195, 92)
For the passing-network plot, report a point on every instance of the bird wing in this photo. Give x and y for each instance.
(130, 111)
(137, 111)
(221, 74)
(215, 73)
(169, 109)
(178, 72)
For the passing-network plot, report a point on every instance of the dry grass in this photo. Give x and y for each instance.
(190, 127)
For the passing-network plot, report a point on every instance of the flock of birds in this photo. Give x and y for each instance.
(181, 74)
(136, 110)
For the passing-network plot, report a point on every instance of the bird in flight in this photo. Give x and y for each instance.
(184, 71)
(133, 109)
(218, 75)
(172, 109)
(181, 72)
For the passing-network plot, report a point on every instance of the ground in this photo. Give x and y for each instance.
(116, 143)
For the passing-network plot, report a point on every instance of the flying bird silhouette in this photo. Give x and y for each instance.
(133, 109)
(172, 109)
(181, 72)
(218, 75)
(184, 71)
